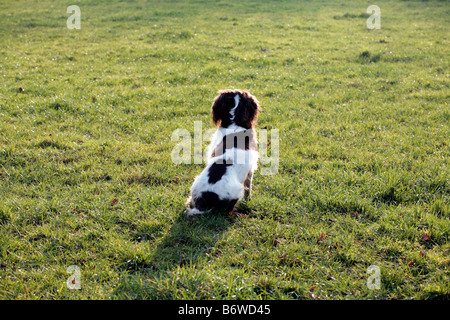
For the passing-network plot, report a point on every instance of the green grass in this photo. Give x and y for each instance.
(363, 117)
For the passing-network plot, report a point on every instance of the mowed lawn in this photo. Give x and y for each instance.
(87, 178)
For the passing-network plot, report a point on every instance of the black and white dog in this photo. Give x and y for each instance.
(232, 154)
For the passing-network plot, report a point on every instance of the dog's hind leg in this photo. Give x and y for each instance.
(248, 185)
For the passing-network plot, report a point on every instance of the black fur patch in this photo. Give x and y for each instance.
(241, 140)
(210, 200)
(217, 170)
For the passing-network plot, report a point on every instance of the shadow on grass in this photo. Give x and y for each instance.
(190, 238)
(170, 271)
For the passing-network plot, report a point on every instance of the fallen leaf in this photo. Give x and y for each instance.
(240, 215)
(321, 237)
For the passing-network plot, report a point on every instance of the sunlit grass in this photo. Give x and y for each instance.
(87, 179)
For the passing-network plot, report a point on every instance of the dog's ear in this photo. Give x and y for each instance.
(247, 111)
(220, 110)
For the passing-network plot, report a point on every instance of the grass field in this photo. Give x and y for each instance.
(87, 179)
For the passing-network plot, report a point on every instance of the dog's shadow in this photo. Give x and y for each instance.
(184, 245)
(189, 238)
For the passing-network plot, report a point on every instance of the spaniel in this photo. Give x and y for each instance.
(232, 155)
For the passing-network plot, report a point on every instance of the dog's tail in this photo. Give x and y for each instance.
(193, 212)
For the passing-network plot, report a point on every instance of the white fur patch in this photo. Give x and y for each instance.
(236, 103)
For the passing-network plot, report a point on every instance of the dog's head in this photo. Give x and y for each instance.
(237, 107)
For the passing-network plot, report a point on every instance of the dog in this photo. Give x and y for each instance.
(232, 155)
